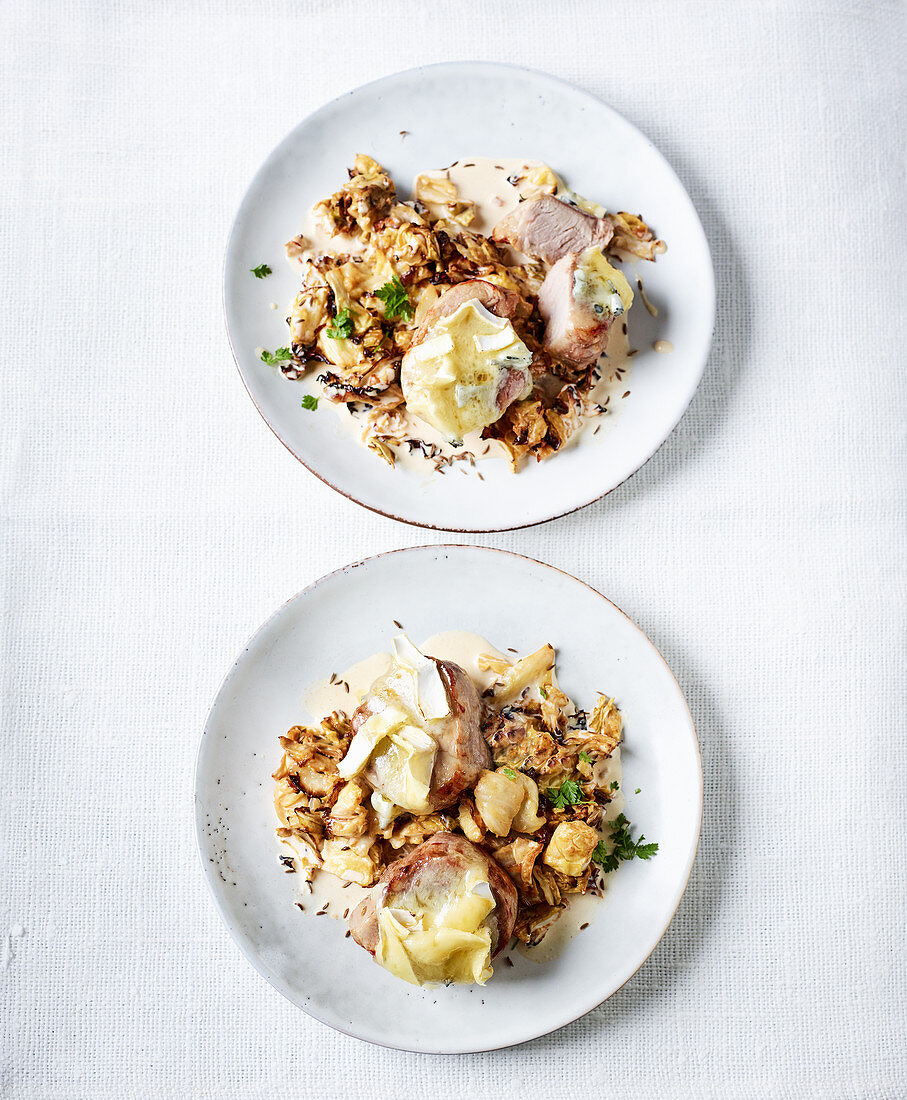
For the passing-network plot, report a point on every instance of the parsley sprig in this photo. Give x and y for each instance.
(585, 757)
(569, 793)
(624, 846)
(396, 300)
(309, 402)
(342, 326)
(261, 272)
(281, 355)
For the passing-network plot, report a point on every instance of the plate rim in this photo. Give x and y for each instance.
(210, 875)
(488, 66)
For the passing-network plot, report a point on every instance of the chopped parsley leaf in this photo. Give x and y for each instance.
(396, 300)
(615, 786)
(261, 272)
(585, 757)
(624, 847)
(638, 789)
(281, 355)
(509, 772)
(309, 402)
(569, 793)
(342, 327)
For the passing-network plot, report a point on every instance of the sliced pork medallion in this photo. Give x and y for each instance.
(439, 914)
(497, 300)
(466, 364)
(546, 227)
(579, 300)
(417, 736)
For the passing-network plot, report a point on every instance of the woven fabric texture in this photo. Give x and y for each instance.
(150, 523)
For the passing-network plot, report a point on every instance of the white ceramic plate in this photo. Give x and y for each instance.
(348, 615)
(450, 111)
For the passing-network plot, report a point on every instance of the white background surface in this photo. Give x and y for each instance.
(151, 522)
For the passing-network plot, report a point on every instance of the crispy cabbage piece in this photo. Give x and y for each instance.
(570, 847)
(470, 822)
(528, 819)
(514, 679)
(311, 756)
(351, 860)
(499, 798)
(534, 921)
(631, 234)
(518, 859)
(415, 829)
(362, 202)
(539, 425)
(604, 728)
(349, 815)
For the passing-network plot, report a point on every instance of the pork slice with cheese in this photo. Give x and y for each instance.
(502, 303)
(439, 914)
(580, 299)
(417, 738)
(467, 363)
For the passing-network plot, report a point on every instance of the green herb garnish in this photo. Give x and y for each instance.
(342, 327)
(509, 772)
(638, 789)
(309, 402)
(281, 355)
(261, 272)
(569, 793)
(615, 785)
(624, 846)
(396, 300)
(585, 757)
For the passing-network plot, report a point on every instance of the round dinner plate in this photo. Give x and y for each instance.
(348, 615)
(427, 118)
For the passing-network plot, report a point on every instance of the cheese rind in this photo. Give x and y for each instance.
(429, 691)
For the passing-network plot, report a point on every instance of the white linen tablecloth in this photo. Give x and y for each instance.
(150, 522)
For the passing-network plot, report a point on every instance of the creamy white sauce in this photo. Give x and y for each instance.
(320, 240)
(348, 687)
(330, 894)
(650, 306)
(582, 909)
(484, 181)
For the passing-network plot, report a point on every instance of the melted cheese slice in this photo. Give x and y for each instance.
(430, 936)
(401, 755)
(403, 768)
(452, 379)
(395, 741)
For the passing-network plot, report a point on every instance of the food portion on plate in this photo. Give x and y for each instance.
(487, 315)
(470, 797)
